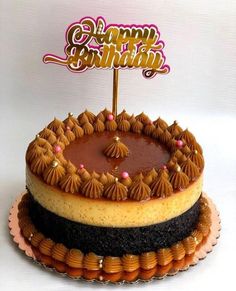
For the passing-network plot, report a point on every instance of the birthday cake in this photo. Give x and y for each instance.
(114, 194)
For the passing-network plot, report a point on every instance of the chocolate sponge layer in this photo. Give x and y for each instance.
(108, 241)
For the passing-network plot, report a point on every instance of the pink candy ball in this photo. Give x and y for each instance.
(110, 117)
(164, 167)
(179, 143)
(68, 128)
(124, 175)
(57, 149)
(81, 166)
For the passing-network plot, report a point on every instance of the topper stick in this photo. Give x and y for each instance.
(115, 91)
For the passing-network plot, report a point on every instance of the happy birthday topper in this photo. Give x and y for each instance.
(93, 44)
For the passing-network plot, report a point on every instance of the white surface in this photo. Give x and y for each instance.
(199, 92)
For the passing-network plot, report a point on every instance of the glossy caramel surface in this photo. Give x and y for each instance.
(145, 153)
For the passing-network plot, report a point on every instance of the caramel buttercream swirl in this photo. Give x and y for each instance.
(116, 191)
(70, 168)
(187, 136)
(122, 116)
(106, 112)
(132, 119)
(197, 159)
(151, 175)
(90, 115)
(110, 178)
(130, 262)
(137, 126)
(74, 258)
(39, 141)
(92, 188)
(171, 144)
(111, 125)
(165, 137)
(149, 128)
(99, 126)
(178, 251)
(116, 149)
(163, 171)
(103, 179)
(157, 132)
(92, 262)
(70, 135)
(101, 117)
(52, 139)
(85, 175)
(190, 169)
(204, 228)
(60, 157)
(174, 128)
(71, 121)
(55, 124)
(28, 231)
(160, 123)
(36, 239)
(198, 236)
(88, 128)
(195, 146)
(186, 150)
(139, 190)
(70, 183)
(124, 125)
(40, 164)
(46, 133)
(59, 252)
(82, 118)
(78, 131)
(177, 154)
(142, 117)
(161, 187)
(112, 265)
(189, 244)
(63, 139)
(179, 179)
(148, 260)
(126, 181)
(53, 173)
(45, 246)
(34, 152)
(164, 256)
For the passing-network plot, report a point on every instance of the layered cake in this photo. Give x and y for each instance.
(114, 195)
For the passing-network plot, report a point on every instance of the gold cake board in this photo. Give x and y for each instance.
(201, 252)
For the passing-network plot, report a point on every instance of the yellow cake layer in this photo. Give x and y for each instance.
(101, 212)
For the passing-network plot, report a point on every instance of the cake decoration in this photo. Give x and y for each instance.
(116, 149)
(116, 191)
(114, 196)
(92, 188)
(178, 179)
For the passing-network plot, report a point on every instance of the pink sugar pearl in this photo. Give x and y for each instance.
(124, 175)
(57, 149)
(68, 128)
(179, 143)
(110, 117)
(164, 167)
(81, 166)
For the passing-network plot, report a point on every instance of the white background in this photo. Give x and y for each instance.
(200, 92)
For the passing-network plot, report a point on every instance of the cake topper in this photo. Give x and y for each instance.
(91, 43)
